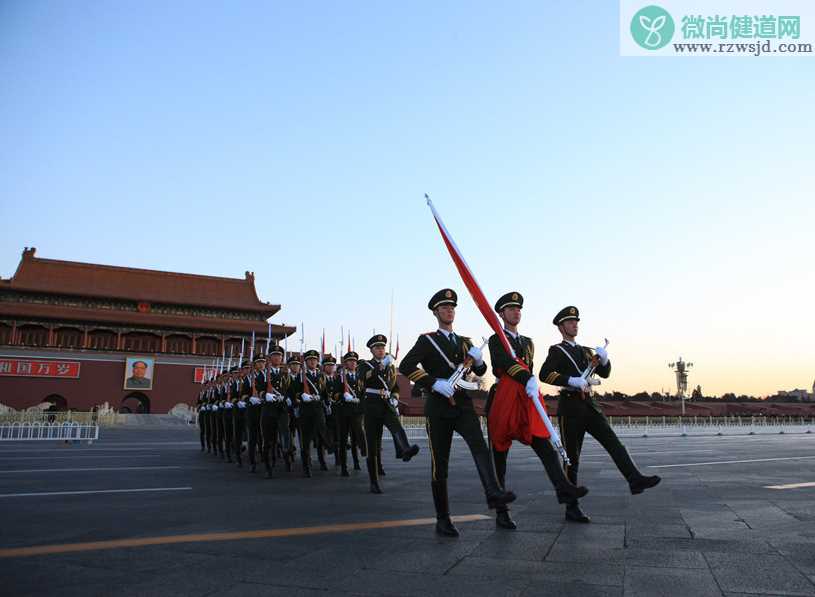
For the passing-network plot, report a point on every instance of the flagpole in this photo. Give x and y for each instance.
(390, 332)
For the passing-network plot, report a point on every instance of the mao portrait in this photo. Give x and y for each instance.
(139, 373)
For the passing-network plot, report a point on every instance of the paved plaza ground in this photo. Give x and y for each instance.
(144, 512)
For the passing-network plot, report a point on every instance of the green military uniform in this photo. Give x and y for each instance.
(217, 406)
(378, 386)
(308, 395)
(201, 409)
(253, 410)
(349, 412)
(503, 365)
(274, 417)
(439, 353)
(578, 412)
(245, 391)
(333, 389)
(228, 413)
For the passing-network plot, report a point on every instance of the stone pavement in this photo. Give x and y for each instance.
(711, 528)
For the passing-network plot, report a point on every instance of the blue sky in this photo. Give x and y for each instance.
(670, 199)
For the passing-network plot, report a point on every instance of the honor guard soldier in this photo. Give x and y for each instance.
(230, 405)
(349, 412)
(578, 412)
(245, 390)
(307, 395)
(293, 371)
(514, 415)
(378, 384)
(253, 410)
(333, 392)
(221, 399)
(274, 416)
(201, 408)
(218, 401)
(448, 408)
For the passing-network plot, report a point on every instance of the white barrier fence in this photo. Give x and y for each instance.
(668, 426)
(46, 430)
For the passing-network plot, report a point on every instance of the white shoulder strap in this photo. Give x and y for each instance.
(570, 358)
(441, 352)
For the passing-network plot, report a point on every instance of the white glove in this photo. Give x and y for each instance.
(394, 402)
(475, 352)
(348, 397)
(387, 360)
(444, 387)
(288, 402)
(214, 408)
(228, 405)
(578, 382)
(255, 400)
(532, 387)
(270, 397)
(306, 397)
(241, 404)
(603, 354)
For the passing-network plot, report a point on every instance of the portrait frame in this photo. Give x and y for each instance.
(131, 379)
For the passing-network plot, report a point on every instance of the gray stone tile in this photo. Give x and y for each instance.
(801, 555)
(588, 553)
(571, 589)
(664, 558)
(740, 572)
(515, 546)
(369, 582)
(607, 535)
(653, 582)
(639, 531)
(597, 574)
(755, 546)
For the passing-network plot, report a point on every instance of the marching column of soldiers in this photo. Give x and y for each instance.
(272, 410)
(265, 408)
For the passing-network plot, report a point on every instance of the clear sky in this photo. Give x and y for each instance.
(670, 199)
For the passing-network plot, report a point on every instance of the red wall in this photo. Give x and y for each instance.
(100, 382)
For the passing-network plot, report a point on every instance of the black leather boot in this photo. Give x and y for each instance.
(375, 488)
(344, 471)
(444, 526)
(638, 482)
(404, 450)
(575, 514)
(567, 492)
(496, 496)
(504, 521)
